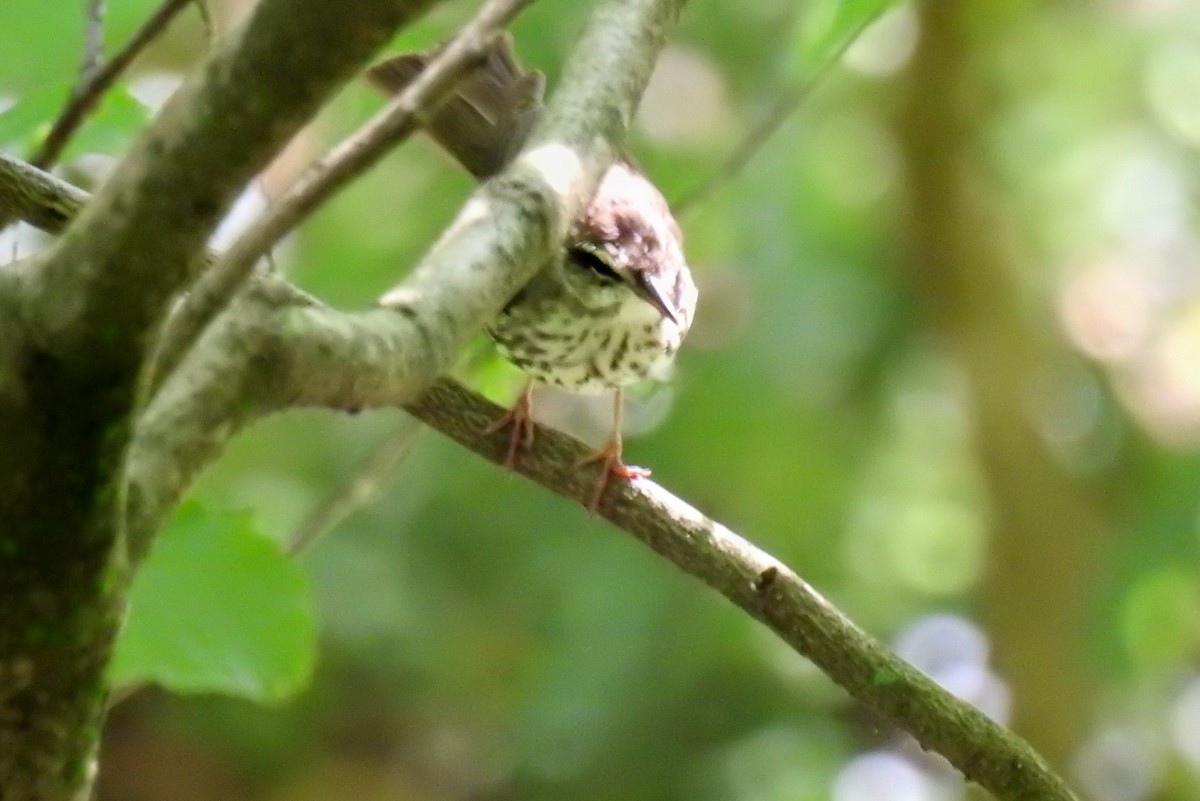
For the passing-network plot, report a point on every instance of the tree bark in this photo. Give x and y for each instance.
(75, 325)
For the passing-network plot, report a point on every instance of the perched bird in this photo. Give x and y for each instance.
(618, 302)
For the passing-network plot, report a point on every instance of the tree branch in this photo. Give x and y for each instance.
(983, 750)
(224, 384)
(133, 247)
(367, 481)
(217, 286)
(37, 197)
(93, 41)
(97, 77)
(515, 223)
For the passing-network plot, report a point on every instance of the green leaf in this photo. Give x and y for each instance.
(830, 26)
(217, 607)
(107, 129)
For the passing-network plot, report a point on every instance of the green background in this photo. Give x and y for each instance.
(946, 366)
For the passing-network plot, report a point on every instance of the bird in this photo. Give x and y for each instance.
(614, 306)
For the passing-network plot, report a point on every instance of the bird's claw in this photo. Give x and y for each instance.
(520, 417)
(610, 465)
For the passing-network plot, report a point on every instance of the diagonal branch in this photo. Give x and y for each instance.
(37, 197)
(983, 750)
(97, 77)
(362, 487)
(93, 40)
(134, 246)
(217, 286)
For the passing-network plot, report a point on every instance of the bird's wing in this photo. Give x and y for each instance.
(489, 116)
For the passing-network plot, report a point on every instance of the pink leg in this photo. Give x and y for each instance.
(520, 417)
(610, 458)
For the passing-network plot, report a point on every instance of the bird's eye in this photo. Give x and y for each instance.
(595, 259)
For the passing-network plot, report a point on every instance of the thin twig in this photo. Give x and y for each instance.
(398, 120)
(358, 490)
(37, 197)
(758, 137)
(206, 19)
(93, 44)
(88, 94)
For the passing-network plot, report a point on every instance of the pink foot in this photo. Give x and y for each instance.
(610, 465)
(520, 417)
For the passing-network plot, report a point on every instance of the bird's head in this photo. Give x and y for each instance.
(627, 251)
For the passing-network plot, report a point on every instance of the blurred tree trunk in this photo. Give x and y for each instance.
(1047, 527)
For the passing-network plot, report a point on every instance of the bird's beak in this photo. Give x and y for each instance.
(650, 289)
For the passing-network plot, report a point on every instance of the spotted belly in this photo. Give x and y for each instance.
(590, 357)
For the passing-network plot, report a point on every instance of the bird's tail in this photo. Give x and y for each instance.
(489, 116)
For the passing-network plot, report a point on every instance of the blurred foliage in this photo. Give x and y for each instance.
(109, 130)
(830, 25)
(946, 365)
